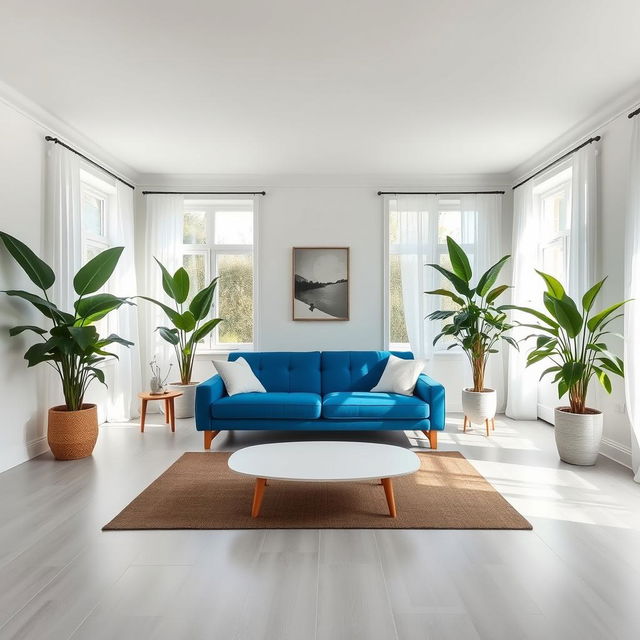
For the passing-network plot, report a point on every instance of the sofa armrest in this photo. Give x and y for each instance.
(206, 393)
(432, 392)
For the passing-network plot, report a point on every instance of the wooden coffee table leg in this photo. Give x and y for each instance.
(143, 415)
(388, 492)
(258, 493)
(172, 413)
(167, 411)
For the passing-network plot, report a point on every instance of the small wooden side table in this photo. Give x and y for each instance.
(169, 410)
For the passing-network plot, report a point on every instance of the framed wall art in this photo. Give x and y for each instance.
(320, 283)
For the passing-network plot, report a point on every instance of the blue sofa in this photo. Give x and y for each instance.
(323, 391)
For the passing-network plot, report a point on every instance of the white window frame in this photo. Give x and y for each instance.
(211, 251)
(94, 185)
(556, 181)
(562, 236)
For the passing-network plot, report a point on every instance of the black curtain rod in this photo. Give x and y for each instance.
(89, 160)
(206, 193)
(437, 193)
(633, 114)
(566, 155)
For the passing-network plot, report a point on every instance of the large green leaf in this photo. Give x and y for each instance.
(495, 293)
(172, 314)
(97, 271)
(567, 314)
(595, 321)
(170, 335)
(461, 286)
(449, 294)
(181, 285)
(554, 287)
(44, 351)
(112, 338)
(185, 322)
(534, 312)
(205, 329)
(167, 281)
(14, 331)
(590, 296)
(572, 372)
(201, 303)
(39, 272)
(84, 336)
(98, 374)
(96, 307)
(487, 280)
(459, 260)
(44, 306)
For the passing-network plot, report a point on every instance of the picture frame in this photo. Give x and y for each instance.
(320, 283)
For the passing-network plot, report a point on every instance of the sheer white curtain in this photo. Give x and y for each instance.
(415, 214)
(487, 231)
(63, 239)
(162, 240)
(417, 245)
(522, 383)
(122, 401)
(582, 267)
(63, 222)
(632, 310)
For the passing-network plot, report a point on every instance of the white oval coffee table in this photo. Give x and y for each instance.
(324, 462)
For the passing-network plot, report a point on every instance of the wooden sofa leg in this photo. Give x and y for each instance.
(433, 438)
(208, 438)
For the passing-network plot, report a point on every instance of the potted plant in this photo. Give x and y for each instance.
(573, 340)
(189, 327)
(476, 326)
(72, 346)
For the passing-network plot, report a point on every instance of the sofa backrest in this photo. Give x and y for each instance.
(355, 370)
(289, 371)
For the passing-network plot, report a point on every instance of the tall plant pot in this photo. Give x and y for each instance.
(72, 434)
(184, 405)
(479, 406)
(578, 435)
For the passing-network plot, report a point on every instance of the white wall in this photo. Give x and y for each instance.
(328, 212)
(613, 161)
(22, 434)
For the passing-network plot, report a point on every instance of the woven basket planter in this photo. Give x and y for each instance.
(72, 434)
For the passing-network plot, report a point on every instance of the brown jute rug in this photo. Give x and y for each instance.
(200, 492)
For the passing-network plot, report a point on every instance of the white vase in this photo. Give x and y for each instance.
(479, 406)
(184, 405)
(578, 435)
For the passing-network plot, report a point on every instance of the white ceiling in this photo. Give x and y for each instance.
(322, 86)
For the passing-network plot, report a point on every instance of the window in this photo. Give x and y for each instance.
(552, 210)
(96, 199)
(218, 241)
(93, 210)
(552, 202)
(417, 235)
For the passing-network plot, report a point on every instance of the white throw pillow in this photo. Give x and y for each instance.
(399, 376)
(238, 377)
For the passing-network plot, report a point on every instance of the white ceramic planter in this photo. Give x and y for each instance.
(479, 406)
(185, 405)
(578, 435)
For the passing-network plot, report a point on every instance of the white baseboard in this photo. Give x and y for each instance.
(19, 453)
(616, 452)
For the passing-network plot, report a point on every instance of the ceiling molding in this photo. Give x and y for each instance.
(319, 181)
(54, 126)
(591, 126)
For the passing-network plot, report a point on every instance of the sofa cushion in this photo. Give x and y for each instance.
(340, 405)
(286, 371)
(286, 406)
(355, 370)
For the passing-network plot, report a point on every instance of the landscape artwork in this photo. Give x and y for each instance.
(320, 283)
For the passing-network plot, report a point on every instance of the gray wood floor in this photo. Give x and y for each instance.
(576, 575)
